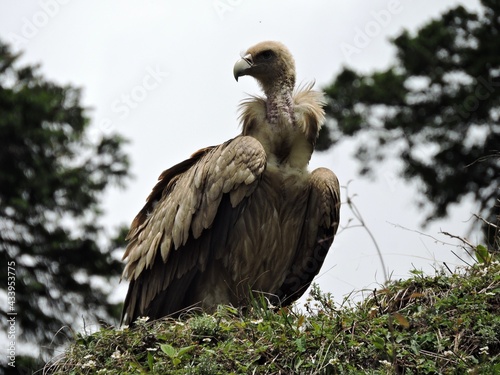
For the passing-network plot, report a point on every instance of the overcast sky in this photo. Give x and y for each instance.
(160, 73)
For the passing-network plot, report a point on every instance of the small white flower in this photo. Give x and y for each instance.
(116, 354)
(448, 353)
(142, 319)
(484, 350)
(90, 363)
(385, 363)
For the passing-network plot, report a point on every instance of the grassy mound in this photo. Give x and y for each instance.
(448, 324)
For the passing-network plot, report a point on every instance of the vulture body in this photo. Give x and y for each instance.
(242, 217)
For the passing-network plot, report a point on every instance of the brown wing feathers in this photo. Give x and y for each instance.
(167, 177)
(184, 203)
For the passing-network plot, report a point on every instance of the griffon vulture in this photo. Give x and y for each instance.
(242, 217)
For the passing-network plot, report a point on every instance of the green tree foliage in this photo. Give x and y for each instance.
(51, 180)
(437, 108)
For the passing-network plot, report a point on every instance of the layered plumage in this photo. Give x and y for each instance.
(242, 217)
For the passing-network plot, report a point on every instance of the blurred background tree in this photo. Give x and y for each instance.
(51, 182)
(436, 109)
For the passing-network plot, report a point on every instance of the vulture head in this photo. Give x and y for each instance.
(270, 63)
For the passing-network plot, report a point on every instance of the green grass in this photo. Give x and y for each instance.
(446, 324)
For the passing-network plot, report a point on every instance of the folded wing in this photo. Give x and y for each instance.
(166, 247)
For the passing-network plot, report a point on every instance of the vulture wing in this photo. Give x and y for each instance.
(168, 243)
(321, 222)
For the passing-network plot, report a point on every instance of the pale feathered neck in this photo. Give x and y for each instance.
(306, 106)
(279, 101)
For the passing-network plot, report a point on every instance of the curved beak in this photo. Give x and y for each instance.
(242, 65)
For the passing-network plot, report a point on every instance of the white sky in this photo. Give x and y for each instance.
(173, 60)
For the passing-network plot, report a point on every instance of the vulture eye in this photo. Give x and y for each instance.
(267, 54)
